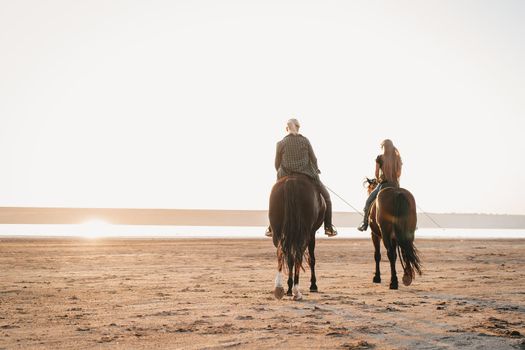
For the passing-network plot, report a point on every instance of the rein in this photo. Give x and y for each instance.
(359, 212)
(341, 198)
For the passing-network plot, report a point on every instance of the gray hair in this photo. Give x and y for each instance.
(293, 126)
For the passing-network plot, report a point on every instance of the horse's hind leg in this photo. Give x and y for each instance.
(290, 276)
(295, 290)
(377, 256)
(311, 252)
(278, 292)
(387, 233)
(390, 245)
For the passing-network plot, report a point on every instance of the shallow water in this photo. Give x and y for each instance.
(100, 229)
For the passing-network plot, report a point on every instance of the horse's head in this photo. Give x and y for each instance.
(371, 184)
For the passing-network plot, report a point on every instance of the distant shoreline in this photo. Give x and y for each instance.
(240, 239)
(237, 218)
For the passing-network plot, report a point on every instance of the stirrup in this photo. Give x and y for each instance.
(268, 232)
(330, 231)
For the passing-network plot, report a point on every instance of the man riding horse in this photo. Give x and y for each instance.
(295, 155)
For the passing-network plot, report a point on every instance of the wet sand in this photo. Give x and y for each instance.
(214, 294)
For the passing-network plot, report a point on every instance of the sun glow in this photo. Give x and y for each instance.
(95, 228)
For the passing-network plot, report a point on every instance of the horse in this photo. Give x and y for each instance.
(393, 218)
(296, 212)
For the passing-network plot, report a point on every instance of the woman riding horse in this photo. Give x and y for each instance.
(295, 155)
(387, 173)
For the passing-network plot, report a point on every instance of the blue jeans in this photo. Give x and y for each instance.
(371, 198)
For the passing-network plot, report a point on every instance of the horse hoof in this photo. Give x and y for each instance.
(377, 279)
(393, 286)
(407, 280)
(278, 292)
(313, 289)
(297, 297)
(289, 293)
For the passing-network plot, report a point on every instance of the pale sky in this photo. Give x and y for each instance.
(179, 104)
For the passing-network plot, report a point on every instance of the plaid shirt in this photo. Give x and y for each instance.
(295, 155)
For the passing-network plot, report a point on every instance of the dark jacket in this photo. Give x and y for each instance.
(295, 155)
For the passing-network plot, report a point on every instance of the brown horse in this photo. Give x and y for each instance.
(296, 213)
(393, 217)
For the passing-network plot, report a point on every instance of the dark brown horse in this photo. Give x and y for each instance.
(393, 217)
(296, 213)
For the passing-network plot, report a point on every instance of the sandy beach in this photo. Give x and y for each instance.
(214, 294)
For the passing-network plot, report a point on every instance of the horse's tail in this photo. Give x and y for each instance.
(408, 254)
(294, 230)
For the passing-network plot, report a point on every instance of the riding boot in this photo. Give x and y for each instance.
(370, 200)
(268, 232)
(364, 224)
(363, 227)
(329, 229)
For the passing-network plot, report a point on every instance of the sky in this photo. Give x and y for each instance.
(179, 104)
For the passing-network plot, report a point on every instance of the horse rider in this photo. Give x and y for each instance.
(295, 155)
(387, 173)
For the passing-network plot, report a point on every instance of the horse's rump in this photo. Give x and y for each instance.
(397, 206)
(294, 216)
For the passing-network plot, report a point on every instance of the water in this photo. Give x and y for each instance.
(100, 229)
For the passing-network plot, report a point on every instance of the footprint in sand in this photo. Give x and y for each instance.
(403, 304)
(316, 316)
(318, 309)
(243, 318)
(368, 330)
(9, 326)
(391, 309)
(337, 332)
(360, 345)
(107, 339)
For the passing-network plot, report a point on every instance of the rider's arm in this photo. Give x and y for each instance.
(278, 156)
(313, 158)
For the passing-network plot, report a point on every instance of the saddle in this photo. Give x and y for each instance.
(387, 184)
(312, 181)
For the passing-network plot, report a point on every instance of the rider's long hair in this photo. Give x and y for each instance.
(391, 162)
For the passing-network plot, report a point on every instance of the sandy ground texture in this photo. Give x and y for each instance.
(215, 294)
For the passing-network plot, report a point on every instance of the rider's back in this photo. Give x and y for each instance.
(295, 156)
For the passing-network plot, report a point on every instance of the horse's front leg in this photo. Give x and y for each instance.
(311, 252)
(377, 255)
(295, 290)
(290, 276)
